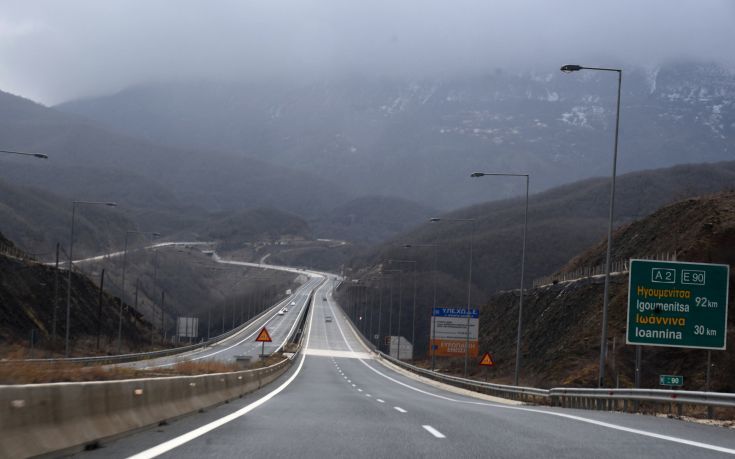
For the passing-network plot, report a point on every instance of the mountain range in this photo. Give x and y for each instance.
(419, 139)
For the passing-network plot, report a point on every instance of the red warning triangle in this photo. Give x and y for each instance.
(487, 360)
(263, 336)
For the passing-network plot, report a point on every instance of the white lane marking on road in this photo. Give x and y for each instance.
(368, 395)
(644, 433)
(359, 390)
(353, 385)
(380, 400)
(434, 432)
(198, 432)
(399, 409)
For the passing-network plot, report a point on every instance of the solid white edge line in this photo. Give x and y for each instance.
(433, 431)
(198, 432)
(548, 413)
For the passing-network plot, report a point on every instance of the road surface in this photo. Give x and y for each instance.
(338, 401)
(279, 327)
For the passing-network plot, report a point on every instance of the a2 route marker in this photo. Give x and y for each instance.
(263, 337)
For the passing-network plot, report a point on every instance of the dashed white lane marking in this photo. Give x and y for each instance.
(399, 409)
(368, 395)
(349, 381)
(353, 385)
(551, 413)
(359, 390)
(380, 400)
(434, 432)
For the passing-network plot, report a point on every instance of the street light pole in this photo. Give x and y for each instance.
(523, 270)
(71, 265)
(608, 255)
(469, 285)
(432, 332)
(122, 288)
(390, 304)
(400, 299)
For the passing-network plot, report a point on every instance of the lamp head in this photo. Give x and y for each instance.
(571, 68)
(435, 219)
(477, 174)
(40, 155)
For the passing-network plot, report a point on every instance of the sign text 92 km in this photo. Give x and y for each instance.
(677, 304)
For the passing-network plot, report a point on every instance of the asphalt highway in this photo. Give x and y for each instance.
(243, 342)
(339, 401)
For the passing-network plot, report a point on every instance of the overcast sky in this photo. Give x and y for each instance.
(52, 50)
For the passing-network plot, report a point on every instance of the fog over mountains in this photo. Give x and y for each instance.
(420, 138)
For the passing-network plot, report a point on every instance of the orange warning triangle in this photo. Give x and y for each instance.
(263, 336)
(487, 360)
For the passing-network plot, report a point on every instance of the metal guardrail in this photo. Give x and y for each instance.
(529, 394)
(124, 358)
(14, 252)
(582, 398)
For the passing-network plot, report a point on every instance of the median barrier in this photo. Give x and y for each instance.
(39, 419)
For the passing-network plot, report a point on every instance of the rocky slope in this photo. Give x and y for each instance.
(560, 344)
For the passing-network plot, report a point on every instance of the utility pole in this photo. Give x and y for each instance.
(56, 296)
(163, 317)
(99, 308)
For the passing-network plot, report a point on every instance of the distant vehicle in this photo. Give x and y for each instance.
(280, 313)
(328, 319)
(293, 303)
(284, 309)
(324, 298)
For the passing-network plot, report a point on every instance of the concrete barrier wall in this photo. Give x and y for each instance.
(39, 419)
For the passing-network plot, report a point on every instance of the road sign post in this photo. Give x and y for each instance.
(487, 362)
(671, 380)
(263, 337)
(451, 333)
(677, 304)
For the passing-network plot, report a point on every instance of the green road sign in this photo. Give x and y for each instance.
(670, 380)
(677, 304)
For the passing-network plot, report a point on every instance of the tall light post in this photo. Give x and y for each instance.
(523, 268)
(433, 327)
(469, 284)
(605, 300)
(35, 155)
(400, 301)
(391, 273)
(122, 288)
(71, 265)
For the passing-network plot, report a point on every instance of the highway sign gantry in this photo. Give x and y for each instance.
(677, 304)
